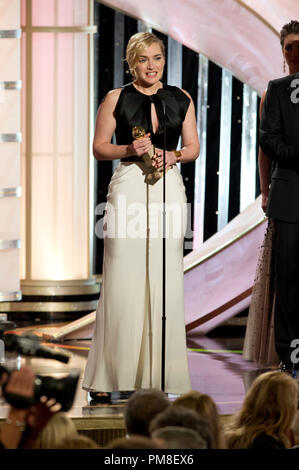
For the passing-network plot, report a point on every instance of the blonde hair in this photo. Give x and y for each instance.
(206, 408)
(57, 428)
(269, 406)
(77, 441)
(136, 45)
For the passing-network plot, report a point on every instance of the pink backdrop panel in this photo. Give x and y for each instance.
(221, 278)
(227, 32)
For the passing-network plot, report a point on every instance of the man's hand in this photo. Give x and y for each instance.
(264, 202)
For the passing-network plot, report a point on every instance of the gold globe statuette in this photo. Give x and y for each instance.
(138, 132)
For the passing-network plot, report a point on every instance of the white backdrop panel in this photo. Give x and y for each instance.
(10, 269)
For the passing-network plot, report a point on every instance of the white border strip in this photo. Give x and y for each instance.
(60, 29)
(10, 244)
(16, 137)
(11, 85)
(10, 296)
(10, 33)
(11, 192)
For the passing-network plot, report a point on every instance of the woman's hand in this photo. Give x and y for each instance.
(170, 159)
(141, 146)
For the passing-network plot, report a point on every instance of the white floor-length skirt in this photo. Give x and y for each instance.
(125, 352)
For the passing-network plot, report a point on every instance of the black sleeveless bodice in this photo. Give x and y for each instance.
(134, 109)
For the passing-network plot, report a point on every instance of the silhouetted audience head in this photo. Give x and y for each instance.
(134, 442)
(177, 437)
(268, 411)
(182, 417)
(206, 408)
(141, 408)
(58, 427)
(77, 441)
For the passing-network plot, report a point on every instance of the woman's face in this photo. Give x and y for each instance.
(291, 52)
(150, 66)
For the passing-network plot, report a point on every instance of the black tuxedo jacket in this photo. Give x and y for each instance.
(279, 139)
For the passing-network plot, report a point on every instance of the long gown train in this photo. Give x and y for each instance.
(259, 344)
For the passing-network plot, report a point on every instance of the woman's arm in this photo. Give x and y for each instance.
(190, 141)
(103, 149)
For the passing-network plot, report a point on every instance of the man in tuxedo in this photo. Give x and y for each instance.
(279, 139)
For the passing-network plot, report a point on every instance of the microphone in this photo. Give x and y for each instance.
(163, 348)
(29, 345)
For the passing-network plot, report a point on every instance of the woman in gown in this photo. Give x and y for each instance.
(259, 344)
(125, 352)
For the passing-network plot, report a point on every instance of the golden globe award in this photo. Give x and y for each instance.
(138, 132)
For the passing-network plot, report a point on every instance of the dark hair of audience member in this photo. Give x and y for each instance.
(141, 408)
(133, 442)
(183, 417)
(269, 409)
(206, 408)
(176, 437)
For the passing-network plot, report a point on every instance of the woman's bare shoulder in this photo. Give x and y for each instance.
(186, 93)
(112, 96)
(114, 93)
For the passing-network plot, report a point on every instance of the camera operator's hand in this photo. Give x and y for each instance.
(38, 417)
(39, 414)
(20, 383)
(3, 378)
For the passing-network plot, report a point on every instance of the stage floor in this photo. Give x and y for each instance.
(216, 368)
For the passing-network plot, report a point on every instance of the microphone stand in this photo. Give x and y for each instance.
(164, 255)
